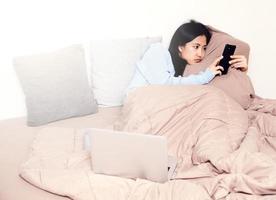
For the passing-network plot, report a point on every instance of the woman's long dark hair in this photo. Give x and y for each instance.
(185, 33)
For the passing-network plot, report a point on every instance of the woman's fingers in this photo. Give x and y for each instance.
(237, 56)
(220, 68)
(237, 60)
(216, 61)
(215, 68)
(218, 72)
(236, 66)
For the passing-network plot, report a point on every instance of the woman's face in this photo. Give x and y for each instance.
(193, 51)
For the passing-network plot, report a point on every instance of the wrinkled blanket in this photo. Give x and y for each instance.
(223, 151)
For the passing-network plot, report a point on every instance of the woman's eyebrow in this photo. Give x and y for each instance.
(200, 44)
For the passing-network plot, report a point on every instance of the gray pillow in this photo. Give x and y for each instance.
(55, 85)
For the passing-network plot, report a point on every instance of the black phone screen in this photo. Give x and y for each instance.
(227, 52)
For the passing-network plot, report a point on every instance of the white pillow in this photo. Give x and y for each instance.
(55, 85)
(112, 66)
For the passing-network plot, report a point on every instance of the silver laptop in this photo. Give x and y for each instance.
(129, 155)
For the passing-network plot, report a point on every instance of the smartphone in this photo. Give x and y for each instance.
(228, 51)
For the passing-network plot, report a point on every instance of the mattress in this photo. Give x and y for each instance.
(15, 141)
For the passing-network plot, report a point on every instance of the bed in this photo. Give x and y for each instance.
(223, 134)
(225, 152)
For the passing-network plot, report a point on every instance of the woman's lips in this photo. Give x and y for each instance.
(197, 60)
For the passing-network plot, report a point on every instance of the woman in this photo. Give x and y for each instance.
(187, 46)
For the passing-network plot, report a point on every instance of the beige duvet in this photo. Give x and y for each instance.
(223, 151)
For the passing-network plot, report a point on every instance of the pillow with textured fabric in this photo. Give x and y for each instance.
(236, 83)
(113, 65)
(55, 85)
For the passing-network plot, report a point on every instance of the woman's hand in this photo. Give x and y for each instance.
(239, 62)
(215, 68)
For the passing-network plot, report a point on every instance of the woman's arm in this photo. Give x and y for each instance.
(198, 79)
(193, 79)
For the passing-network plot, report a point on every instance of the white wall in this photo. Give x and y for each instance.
(34, 26)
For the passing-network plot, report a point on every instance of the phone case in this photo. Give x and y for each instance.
(228, 51)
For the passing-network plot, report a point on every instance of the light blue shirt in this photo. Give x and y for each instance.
(156, 68)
